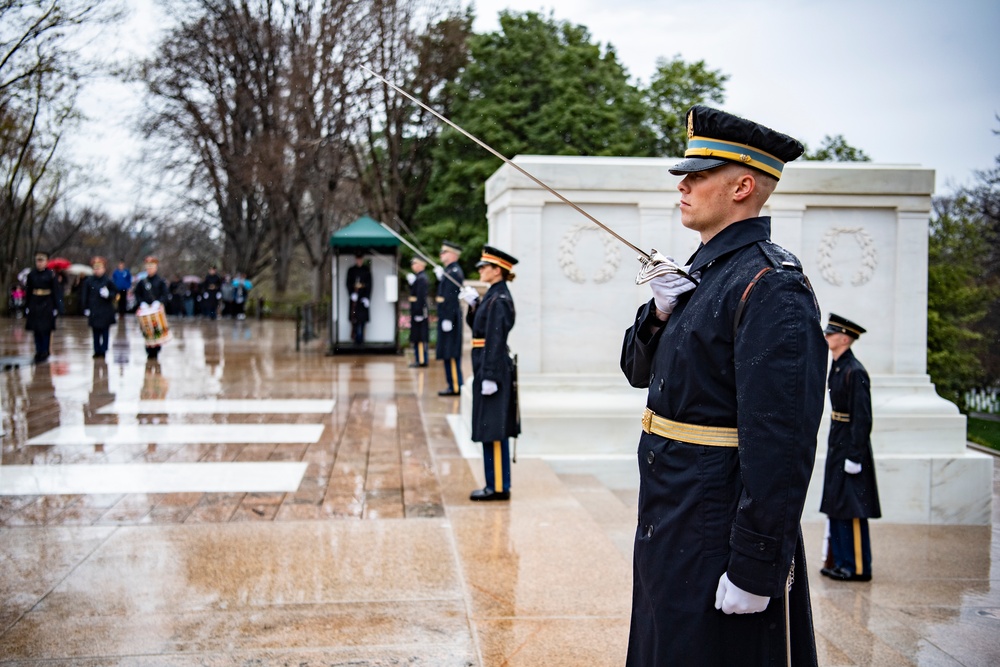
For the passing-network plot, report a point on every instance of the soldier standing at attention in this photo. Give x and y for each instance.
(494, 397)
(850, 491)
(449, 312)
(733, 358)
(359, 290)
(98, 299)
(43, 304)
(419, 328)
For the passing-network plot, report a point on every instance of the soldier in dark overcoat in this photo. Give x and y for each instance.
(419, 325)
(43, 304)
(494, 397)
(359, 291)
(151, 290)
(449, 313)
(211, 292)
(850, 490)
(733, 357)
(98, 298)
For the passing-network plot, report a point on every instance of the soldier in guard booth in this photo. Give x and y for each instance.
(359, 290)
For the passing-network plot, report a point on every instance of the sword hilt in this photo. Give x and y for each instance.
(657, 264)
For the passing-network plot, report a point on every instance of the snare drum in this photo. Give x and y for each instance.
(153, 323)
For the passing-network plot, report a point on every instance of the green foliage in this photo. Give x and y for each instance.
(957, 296)
(676, 87)
(984, 432)
(836, 149)
(536, 86)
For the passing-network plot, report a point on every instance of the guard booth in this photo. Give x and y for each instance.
(381, 250)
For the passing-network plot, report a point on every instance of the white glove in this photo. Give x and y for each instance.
(468, 294)
(365, 302)
(55, 312)
(410, 278)
(732, 599)
(489, 387)
(86, 313)
(205, 295)
(418, 318)
(104, 292)
(144, 305)
(851, 468)
(668, 288)
(354, 296)
(155, 304)
(446, 326)
(439, 272)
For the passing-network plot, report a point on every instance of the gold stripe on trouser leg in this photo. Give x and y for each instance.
(497, 468)
(859, 565)
(454, 375)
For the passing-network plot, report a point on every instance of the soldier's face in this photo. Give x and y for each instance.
(98, 269)
(40, 261)
(707, 200)
(447, 256)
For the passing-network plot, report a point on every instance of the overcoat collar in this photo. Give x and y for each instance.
(735, 236)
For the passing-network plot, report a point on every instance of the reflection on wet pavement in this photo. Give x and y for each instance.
(238, 503)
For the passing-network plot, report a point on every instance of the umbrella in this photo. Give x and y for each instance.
(80, 270)
(59, 264)
(23, 275)
(191, 279)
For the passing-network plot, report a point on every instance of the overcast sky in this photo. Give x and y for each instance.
(907, 81)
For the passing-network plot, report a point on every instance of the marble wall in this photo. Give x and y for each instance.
(860, 230)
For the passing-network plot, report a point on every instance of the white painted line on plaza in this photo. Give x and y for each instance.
(220, 406)
(250, 477)
(171, 434)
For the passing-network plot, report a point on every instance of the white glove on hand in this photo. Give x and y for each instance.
(668, 288)
(144, 305)
(55, 312)
(155, 304)
(851, 468)
(104, 292)
(489, 387)
(86, 313)
(418, 318)
(468, 294)
(365, 302)
(354, 296)
(732, 599)
(411, 278)
(446, 326)
(438, 272)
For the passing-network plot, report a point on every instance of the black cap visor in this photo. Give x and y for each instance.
(693, 164)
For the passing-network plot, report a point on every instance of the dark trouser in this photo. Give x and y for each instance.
(496, 463)
(453, 374)
(152, 352)
(358, 332)
(101, 340)
(42, 339)
(122, 301)
(420, 353)
(850, 545)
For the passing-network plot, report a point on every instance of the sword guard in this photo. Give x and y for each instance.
(657, 264)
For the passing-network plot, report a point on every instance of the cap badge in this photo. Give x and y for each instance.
(744, 157)
(690, 124)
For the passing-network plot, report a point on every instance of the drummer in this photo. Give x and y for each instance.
(151, 291)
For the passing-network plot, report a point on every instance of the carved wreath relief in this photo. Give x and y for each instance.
(869, 255)
(567, 255)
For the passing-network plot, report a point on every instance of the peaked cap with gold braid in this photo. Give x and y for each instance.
(716, 137)
(496, 257)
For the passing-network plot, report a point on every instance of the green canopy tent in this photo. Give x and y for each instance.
(366, 236)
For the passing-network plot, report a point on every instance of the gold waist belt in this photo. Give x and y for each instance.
(41, 292)
(439, 299)
(478, 342)
(840, 416)
(713, 436)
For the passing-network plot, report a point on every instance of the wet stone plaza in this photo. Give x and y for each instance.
(240, 503)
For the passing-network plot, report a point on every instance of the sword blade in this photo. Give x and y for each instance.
(642, 253)
(419, 254)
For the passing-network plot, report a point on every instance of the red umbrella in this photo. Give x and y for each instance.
(59, 264)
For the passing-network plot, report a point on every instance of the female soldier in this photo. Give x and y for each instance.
(494, 396)
(98, 299)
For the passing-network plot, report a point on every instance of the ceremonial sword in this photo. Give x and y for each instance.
(654, 263)
(420, 254)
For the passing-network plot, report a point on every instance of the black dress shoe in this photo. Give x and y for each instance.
(843, 574)
(418, 365)
(489, 494)
(448, 392)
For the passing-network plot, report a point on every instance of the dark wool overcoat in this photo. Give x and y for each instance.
(359, 281)
(706, 510)
(850, 496)
(102, 308)
(494, 417)
(44, 295)
(419, 327)
(449, 343)
(152, 288)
